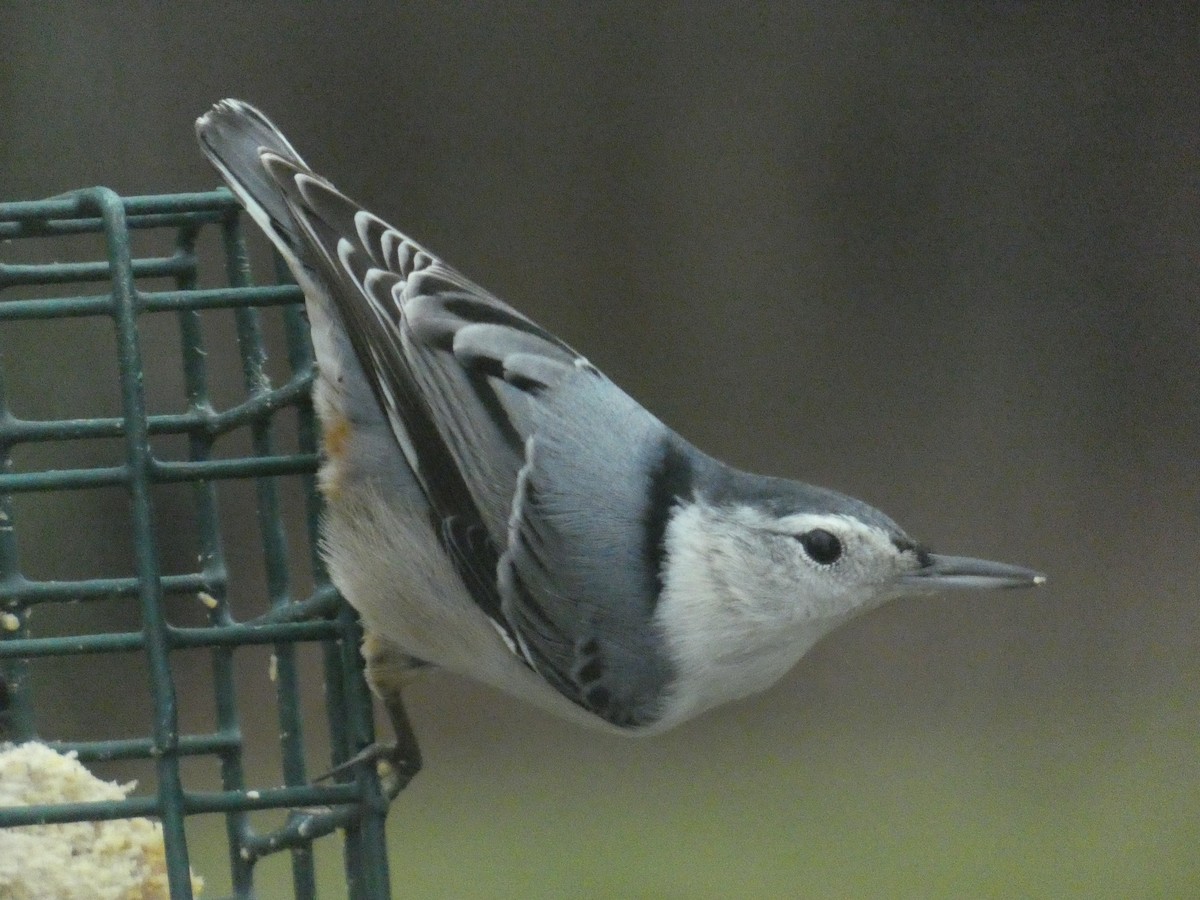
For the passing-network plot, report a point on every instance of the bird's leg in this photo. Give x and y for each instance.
(389, 670)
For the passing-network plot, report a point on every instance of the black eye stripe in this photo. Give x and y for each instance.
(821, 546)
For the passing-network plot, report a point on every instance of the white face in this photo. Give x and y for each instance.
(749, 593)
(807, 567)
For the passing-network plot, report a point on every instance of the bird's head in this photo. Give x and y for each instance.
(832, 564)
(759, 569)
(822, 553)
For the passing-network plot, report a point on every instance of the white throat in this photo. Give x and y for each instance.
(725, 643)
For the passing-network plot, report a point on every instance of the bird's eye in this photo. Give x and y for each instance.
(821, 546)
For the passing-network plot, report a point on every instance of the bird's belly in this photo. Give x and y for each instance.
(385, 559)
(389, 565)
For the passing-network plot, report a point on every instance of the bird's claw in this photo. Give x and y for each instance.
(394, 767)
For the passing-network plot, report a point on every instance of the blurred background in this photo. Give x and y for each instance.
(938, 256)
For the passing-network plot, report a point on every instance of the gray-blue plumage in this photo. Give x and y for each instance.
(536, 466)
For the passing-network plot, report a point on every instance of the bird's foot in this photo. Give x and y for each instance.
(395, 766)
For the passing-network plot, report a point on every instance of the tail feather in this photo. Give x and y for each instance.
(234, 135)
(244, 146)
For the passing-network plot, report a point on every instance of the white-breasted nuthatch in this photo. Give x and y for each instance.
(497, 507)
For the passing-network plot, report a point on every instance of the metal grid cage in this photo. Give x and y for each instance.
(355, 806)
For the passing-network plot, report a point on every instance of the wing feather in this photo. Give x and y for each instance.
(532, 461)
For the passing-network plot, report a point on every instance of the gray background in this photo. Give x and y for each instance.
(939, 256)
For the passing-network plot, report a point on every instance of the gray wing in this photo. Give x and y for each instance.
(545, 478)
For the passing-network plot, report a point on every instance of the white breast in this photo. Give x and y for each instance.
(725, 645)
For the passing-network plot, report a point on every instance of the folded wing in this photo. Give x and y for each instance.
(532, 461)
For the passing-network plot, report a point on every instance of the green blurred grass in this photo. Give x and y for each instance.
(832, 806)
